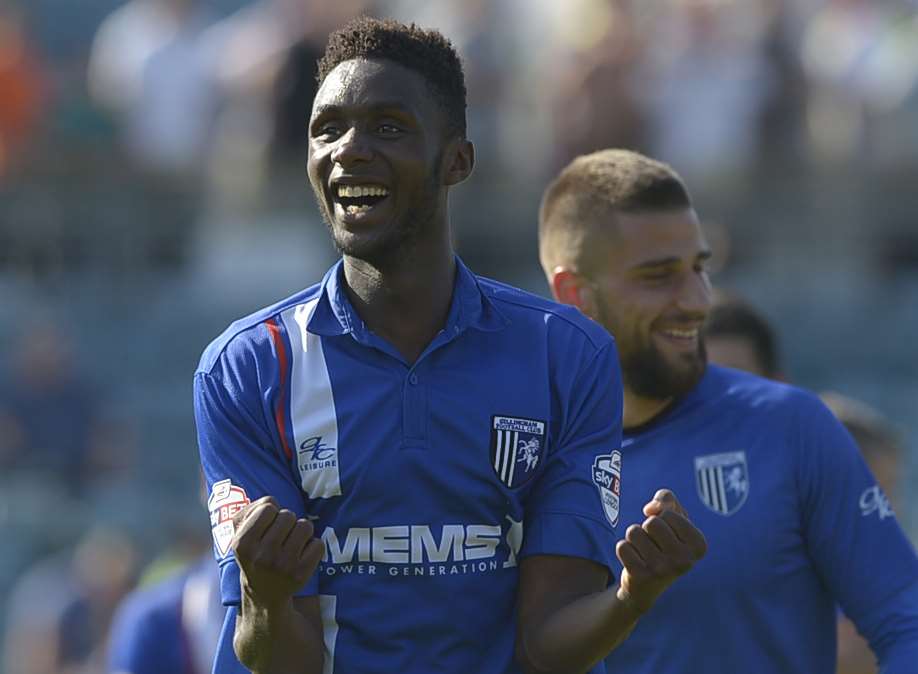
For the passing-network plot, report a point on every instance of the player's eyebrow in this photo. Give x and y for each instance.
(380, 106)
(703, 255)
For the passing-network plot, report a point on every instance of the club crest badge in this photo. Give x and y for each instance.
(607, 476)
(722, 481)
(226, 499)
(517, 446)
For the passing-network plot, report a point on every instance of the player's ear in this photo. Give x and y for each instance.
(569, 287)
(459, 157)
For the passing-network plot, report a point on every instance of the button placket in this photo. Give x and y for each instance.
(414, 412)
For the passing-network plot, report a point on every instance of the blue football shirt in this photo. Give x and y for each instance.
(170, 626)
(795, 524)
(428, 482)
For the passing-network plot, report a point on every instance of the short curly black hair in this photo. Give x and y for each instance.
(427, 52)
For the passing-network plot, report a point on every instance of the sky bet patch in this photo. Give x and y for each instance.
(225, 500)
(607, 476)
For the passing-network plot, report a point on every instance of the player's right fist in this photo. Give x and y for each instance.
(654, 554)
(276, 551)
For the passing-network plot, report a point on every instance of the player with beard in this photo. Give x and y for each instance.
(789, 509)
(411, 468)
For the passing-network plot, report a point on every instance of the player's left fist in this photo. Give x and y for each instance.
(657, 552)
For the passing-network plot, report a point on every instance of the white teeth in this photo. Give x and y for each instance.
(355, 191)
(681, 334)
(355, 210)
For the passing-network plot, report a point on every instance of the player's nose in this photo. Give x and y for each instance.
(352, 147)
(695, 295)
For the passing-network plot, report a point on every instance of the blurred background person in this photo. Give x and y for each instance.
(149, 68)
(169, 625)
(21, 86)
(878, 438)
(52, 418)
(738, 336)
(60, 610)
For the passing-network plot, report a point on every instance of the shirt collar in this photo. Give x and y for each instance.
(470, 307)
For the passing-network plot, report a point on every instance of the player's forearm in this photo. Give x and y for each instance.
(276, 640)
(578, 635)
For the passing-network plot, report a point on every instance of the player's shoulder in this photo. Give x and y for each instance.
(753, 394)
(526, 309)
(248, 335)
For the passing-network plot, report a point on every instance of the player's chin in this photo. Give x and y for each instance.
(370, 246)
(686, 370)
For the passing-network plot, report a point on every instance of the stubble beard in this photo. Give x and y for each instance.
(648, 373)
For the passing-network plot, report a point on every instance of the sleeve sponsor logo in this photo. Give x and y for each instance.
(873, 500)
(226, 499)
(607, 476)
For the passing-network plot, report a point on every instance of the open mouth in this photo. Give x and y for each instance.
(360, 199)
(680, 337)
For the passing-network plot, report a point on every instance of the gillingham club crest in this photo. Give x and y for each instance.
(607, 476)
(722, 481)
(517, 446)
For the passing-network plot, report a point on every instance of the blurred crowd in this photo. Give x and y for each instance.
(152, 188)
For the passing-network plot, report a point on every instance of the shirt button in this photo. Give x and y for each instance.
(413, 379)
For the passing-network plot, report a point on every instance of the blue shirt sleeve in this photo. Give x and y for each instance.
(146, 636)
(853, 536)
(573, 508)
(241, 457)
(892, 630)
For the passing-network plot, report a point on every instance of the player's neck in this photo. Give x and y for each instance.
(638, 410)
(405, 301)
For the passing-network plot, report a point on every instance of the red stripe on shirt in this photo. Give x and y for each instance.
(281, 348)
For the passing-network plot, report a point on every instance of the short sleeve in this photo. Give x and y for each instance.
(851, 530)
(137, 637)
(242, 461)
(573, 509)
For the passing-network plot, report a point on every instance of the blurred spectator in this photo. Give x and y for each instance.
(266, 55)
(52, 422)
(737, 336)
(861, 58)
(705, 81)
(878, 439)
(150, 68)
(170, 626)
(595, 104)
(60, 610)
(21, 84)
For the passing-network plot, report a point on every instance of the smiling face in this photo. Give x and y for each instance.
(379, 158)
(651, 291)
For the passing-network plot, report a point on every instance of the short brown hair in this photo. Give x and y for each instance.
(596, 184)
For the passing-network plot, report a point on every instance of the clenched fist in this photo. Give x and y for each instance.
(275, 550)
(658, 551)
